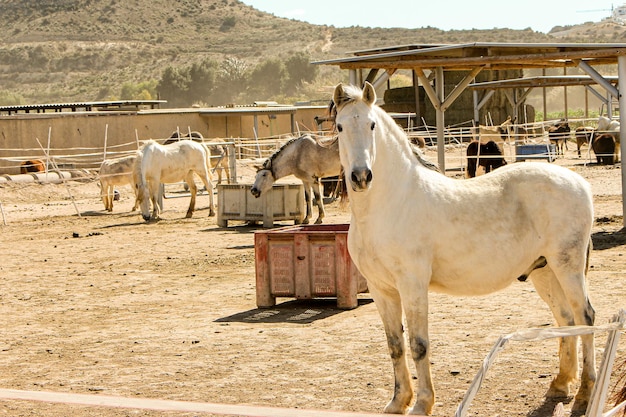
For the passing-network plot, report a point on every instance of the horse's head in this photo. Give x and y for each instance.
(356, 126)
(144, 201)
(264, 179)
(141, 190)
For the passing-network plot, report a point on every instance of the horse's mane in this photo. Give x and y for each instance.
(352, 94)
(146, 143)
(267, 164)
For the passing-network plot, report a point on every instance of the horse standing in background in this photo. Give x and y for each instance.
(488, 155)
(32, 165)
(117, 171)
(218, 153)
(308, 161)
(175, 162)
(558, 135)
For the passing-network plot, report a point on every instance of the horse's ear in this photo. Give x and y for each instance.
(369, 93)
(339, 96)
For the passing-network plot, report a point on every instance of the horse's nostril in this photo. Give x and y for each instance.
(368, 178)
(354, 178)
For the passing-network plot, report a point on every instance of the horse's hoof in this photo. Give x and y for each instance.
(305, 221)
(211, 213)
(580, 405)
(392, 408)
(558, 388)
(318, 221)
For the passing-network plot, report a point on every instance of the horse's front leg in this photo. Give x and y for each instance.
(209, 189)
(319, 200)
(389, 306)
(415, 302)
(309, 204)
(193, 189)
(155, 194)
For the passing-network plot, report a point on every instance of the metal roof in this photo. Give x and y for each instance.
(249, 111)
(82, 106)
(490, 55)
(542, 81)
(231, 111)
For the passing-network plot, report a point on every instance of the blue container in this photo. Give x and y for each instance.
(539, 151)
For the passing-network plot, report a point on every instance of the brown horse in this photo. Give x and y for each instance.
(487, 155)
(558, 135)
(32, 165)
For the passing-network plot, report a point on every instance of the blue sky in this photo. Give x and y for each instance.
(539, 15)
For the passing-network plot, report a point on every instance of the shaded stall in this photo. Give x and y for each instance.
(472, 58)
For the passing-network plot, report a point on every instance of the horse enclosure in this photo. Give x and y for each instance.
(107, 304)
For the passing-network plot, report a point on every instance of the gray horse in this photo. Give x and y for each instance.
(308, 161)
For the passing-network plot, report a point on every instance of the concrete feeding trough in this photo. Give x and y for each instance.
(283, 202)
(304, 262)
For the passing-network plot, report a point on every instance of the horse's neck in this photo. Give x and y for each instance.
(394, 157)
(392, 170)
(283, 163)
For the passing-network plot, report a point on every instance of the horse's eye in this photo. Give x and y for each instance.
(373, 125)
(339, 128)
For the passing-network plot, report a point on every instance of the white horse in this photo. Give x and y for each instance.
(167, 164)
(308, 161)
(218, 153)
(413, 228)
(117, 171)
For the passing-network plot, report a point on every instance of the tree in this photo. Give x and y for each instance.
(267, 79)
(232, 79)
(10, 99)
(145, 90)
(202, 78)
(300, 70)
(174, 86)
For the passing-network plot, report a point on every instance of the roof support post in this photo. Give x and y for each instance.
(479, 104)
(621, 72)
(596, 93)
(441, 103)
(597, 77)
(416, 90)
(428, 89)
(380, 81)
(459, 88)
(352, 77)
(439, 111)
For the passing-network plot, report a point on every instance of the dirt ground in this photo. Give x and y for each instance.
(107, 304)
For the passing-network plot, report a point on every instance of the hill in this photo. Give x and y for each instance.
(83, 50)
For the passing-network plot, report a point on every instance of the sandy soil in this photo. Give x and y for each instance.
(107, 304)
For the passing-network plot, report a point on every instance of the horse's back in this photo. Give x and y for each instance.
(118, 171)
(493, 225)
(541, 186)
(323, 160)
(171, 162)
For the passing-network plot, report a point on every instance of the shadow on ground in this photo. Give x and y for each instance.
(296, 311)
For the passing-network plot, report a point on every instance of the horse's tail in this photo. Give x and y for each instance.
(589, 249)
(207, 160)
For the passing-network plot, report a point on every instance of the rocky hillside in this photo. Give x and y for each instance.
(82, 50)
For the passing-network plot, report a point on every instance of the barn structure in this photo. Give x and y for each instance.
(378, 65)
(87, 130)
